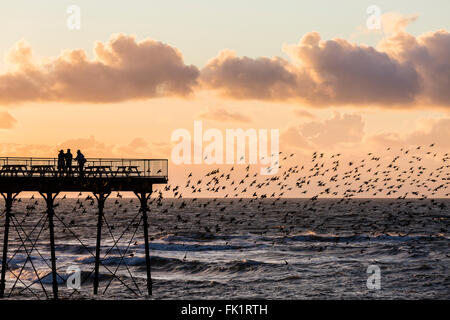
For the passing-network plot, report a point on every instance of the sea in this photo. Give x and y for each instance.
(234, 249)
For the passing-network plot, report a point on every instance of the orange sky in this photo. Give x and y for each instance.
(327, 95)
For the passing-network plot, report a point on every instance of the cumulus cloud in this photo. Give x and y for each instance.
(292, 138)
(430, 56)
(122, 69)
(346, 73)
(347, 128)
(7, 121)
(403, 71)
(246, 78)
(346, 132)
(437, 131)
(394, 22)
(223, 115)
(338, 130)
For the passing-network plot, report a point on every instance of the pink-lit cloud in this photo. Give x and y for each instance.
(122, 69)
(325, 134)
(402, 71)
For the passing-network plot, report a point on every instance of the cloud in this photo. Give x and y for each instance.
(223, 115)
(385, 139)
(338, 130)
(246, 78)
(323, 73)
(394, 22)
(346, 73)
(346, 133)
(404, 71)
(437, 131)
(138, 147)
(304, 114)
(26, 150)
(292, 137)
(430, 56)
(90, 147)
(6, 120)
(348, 128)
(122, 69)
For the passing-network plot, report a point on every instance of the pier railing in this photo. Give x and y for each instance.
(93, 167)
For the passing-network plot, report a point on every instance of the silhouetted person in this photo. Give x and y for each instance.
(68, 157)
(61, 163)
(81, 161)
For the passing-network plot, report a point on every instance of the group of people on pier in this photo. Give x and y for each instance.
(65, 162)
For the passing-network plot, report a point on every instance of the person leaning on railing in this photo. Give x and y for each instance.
(81, 161)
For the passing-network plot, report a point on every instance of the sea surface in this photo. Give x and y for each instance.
(236, 248)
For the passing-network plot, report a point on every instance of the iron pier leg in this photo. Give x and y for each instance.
(143, 197)
(9, 198)
(101, 197)
(49, 199)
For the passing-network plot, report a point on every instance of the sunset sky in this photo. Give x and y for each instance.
(136, 71)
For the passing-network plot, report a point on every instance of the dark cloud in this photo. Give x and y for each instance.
(430, 56)
(246, 78)
(122, 69)
(404, 71)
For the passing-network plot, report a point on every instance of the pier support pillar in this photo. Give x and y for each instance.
(9, 198)
(50, 199)
(143, 198)
(101, 198)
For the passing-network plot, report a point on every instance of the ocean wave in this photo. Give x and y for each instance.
(195, 266)
(356, 238)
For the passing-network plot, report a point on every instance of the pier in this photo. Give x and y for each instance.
(100, 176)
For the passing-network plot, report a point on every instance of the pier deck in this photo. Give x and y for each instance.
(42, 175)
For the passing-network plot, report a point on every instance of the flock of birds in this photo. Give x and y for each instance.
(414, 174)
(334, 178)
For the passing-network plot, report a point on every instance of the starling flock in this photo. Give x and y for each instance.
(410, 178)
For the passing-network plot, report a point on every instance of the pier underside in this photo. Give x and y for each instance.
(100, 177)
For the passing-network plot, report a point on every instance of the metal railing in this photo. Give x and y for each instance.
(93, 167)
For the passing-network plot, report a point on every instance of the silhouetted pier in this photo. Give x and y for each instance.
(100, 177)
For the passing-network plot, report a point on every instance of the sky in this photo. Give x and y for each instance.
(135, 72)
